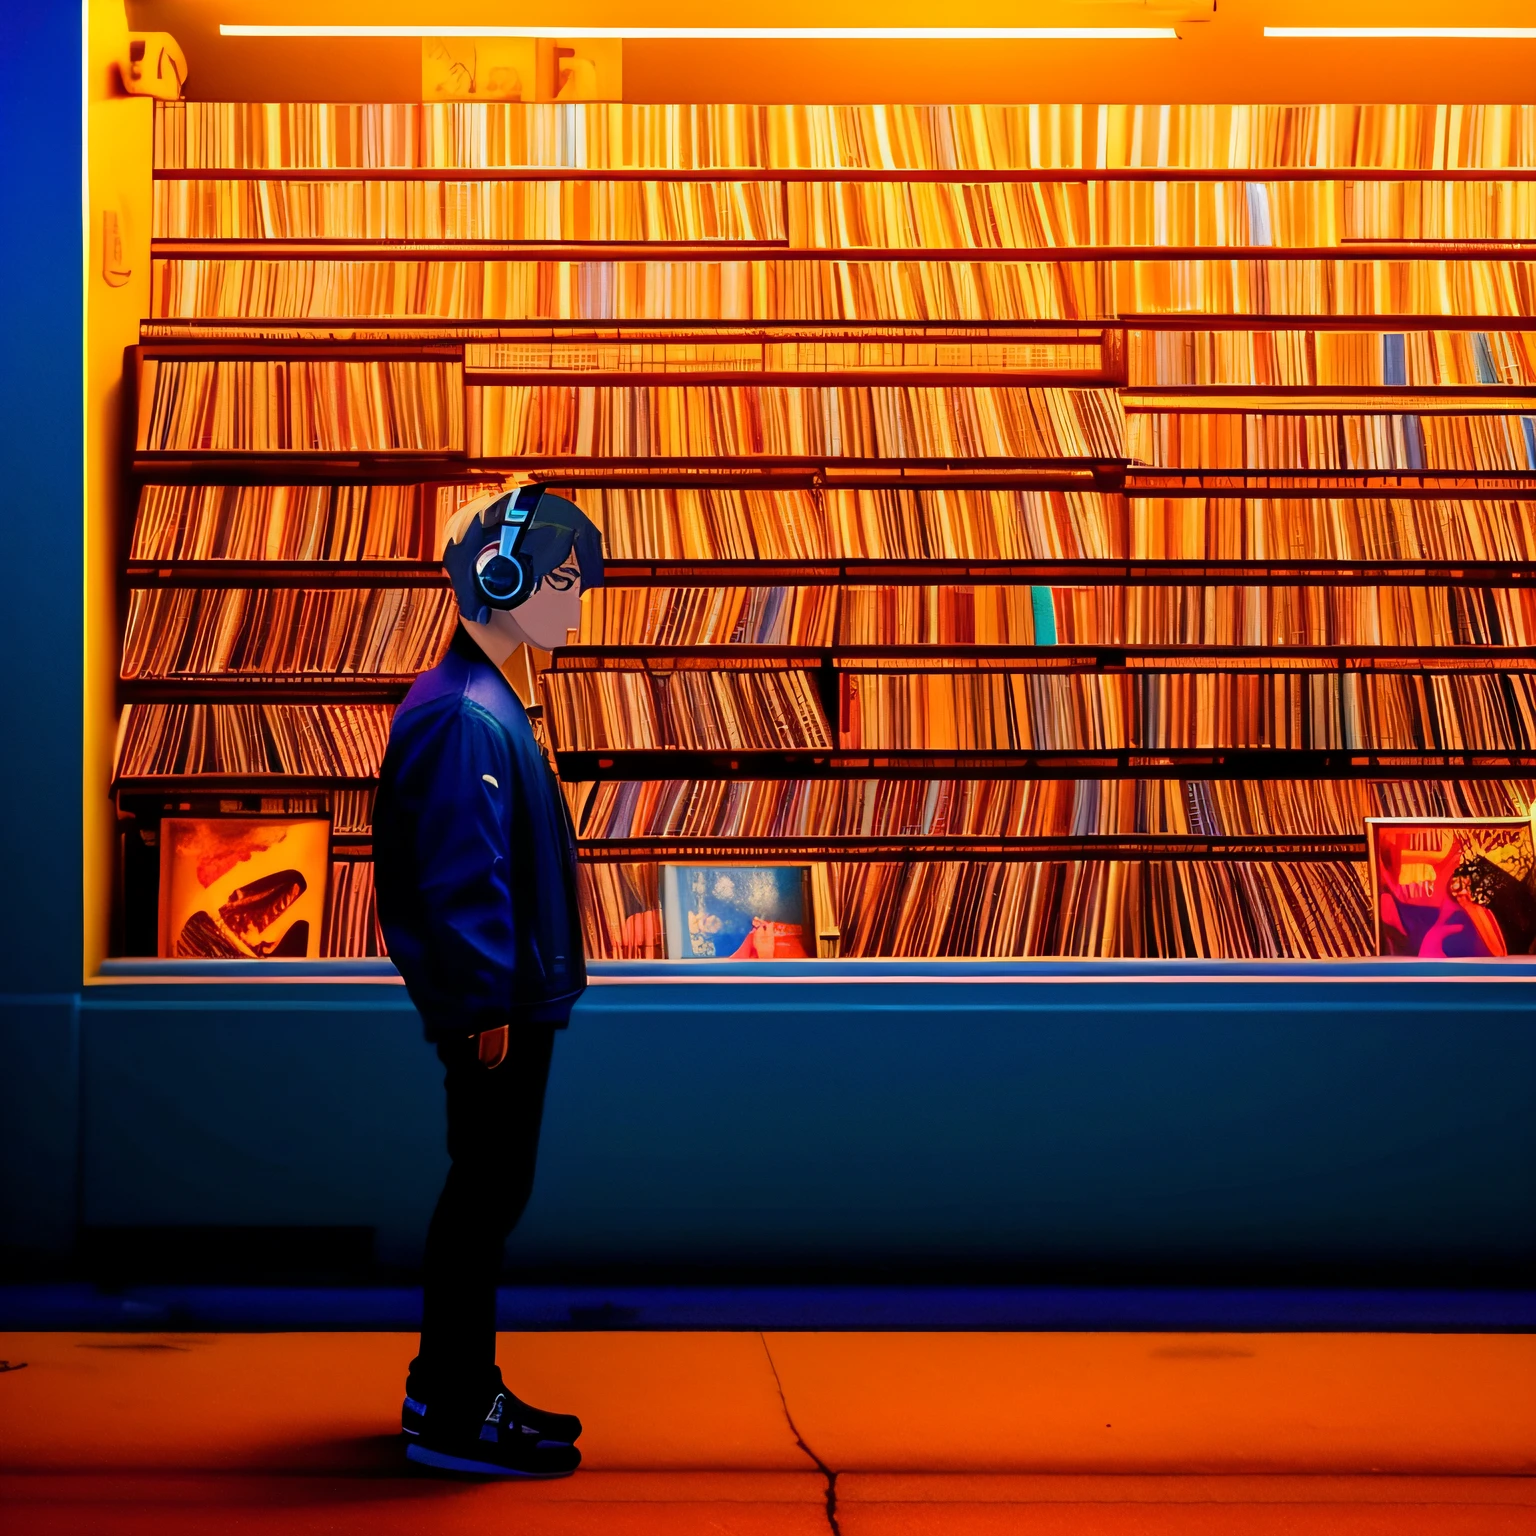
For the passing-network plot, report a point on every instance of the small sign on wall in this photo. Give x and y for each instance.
(522, 69)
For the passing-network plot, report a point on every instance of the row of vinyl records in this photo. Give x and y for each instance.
(279, 405)
(400, 522)
(293, 522)
(1187, 440)
(891, 422)
(767, 809)
(1003, 711)
(1289, 358)
(350, 810)
(286, 632)
(352, 919)
(1092, 908)
(873, 291)
(351, 926)
(259, 135)
(1284, 359)
(944, 349)
(193, 405)
(845, 215)
(1019, 615)
(1292, 359)
(377, 632)
(770, 809)
(324, 741)
(880, 907)
(729, 711)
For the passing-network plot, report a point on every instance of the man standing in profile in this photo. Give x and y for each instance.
(476, 873)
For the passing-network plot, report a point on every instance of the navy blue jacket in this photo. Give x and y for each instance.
(474, 855)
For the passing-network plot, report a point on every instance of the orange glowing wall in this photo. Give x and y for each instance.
(1221, 54)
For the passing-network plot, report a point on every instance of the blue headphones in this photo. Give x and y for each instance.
(501, 576)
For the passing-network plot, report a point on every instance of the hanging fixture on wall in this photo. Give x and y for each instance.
(155, 66)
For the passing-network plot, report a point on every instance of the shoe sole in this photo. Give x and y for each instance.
(427, 1457)
(406, 1429)
(416, 1433)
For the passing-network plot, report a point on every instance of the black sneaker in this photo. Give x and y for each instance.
(565, 1428)
(496, 1446)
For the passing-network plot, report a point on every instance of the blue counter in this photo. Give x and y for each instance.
(1136, 1117)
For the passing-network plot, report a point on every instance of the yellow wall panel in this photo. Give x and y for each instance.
(118, 140)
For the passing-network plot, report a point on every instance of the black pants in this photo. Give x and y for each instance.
(493, 1142)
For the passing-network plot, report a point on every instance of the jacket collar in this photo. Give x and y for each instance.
(465, 646)
(486, 678)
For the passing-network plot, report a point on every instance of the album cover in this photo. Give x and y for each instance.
(243, 887)
(1453, 887)
(738, 911)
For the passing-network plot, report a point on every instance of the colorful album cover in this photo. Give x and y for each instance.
(1447, 887)
(738, 911)
(243, 887)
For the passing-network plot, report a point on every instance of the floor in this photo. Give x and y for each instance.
(790, 1434)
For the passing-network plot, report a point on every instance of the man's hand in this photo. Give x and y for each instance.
(493, 1047)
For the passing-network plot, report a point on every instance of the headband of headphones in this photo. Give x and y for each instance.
(502, 577)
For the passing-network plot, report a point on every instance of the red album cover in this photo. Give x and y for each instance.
(1444, 887)
(243, 887)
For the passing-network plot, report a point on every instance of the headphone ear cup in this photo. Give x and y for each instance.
(524, 580)
(501, 580)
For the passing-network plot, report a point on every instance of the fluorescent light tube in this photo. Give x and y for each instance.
(1474, 33)
(728, 34)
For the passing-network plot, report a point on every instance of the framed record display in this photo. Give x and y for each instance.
(764, 911)
(243, 887)
(1446, 887)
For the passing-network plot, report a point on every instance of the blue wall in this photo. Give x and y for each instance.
(41, 495)
(1120, 1114)
(1139, 1117)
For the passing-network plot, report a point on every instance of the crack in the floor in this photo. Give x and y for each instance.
(789, 1419)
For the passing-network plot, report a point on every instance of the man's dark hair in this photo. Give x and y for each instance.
(557, 527)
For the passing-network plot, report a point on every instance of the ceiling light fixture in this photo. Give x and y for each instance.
(729, 34)
(1473, 33)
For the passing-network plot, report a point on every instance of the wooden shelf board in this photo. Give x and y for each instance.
(1051, 332)
(233, 785)
(284, 573)
(303, 469)
(909, 469)
(296, 469)
(957, 849)
(401, 331)
(586, 766)
(1191, 320)
(1049, 658)
(829, 378)
(1143, 480)
(1236, 174)
(862, 573)
(332, 248)
(1305, 400)
(229, 689)
(1058, 573)
(251, 349)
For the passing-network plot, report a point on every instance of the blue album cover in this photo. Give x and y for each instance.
(737, 911)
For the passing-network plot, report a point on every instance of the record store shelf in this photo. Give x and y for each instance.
(625, 572)
(591, 765)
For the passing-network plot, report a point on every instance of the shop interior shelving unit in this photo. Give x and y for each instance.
(1179, 501)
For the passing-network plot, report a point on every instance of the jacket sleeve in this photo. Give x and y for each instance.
(463, 854)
